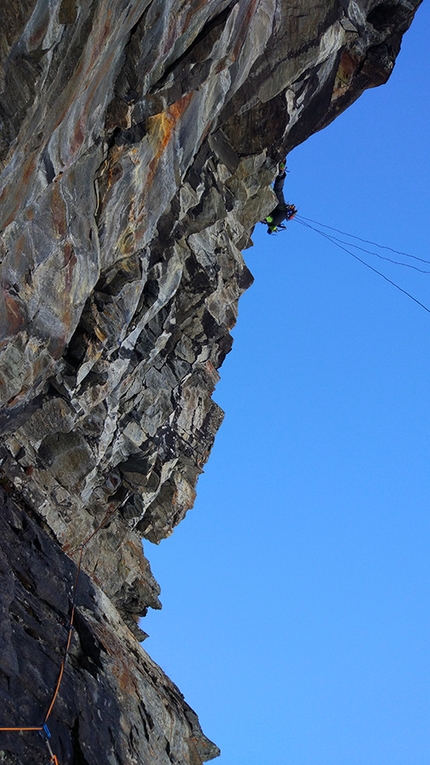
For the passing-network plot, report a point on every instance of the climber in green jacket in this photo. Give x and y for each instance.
(283, 210)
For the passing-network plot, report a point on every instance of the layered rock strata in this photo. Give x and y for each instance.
(138, 142)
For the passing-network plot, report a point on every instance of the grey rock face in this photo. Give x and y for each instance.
(138, 142)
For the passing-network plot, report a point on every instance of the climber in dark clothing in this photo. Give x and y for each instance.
(283, 210)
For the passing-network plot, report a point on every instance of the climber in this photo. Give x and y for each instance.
(283, 210)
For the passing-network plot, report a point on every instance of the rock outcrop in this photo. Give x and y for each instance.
(138, 142)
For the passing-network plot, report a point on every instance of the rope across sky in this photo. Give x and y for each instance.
(341, 244)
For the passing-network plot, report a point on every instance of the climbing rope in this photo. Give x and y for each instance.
(360, 239)
(378, 254)
(43, 729)
(340, 243)
(69, 636)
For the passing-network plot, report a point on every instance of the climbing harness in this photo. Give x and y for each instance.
(43, 729)
(283, 210)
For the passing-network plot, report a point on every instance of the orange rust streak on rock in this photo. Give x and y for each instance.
(171, 36)
(37, 35)
(69, 101)
(121, 660)
(162, 127)
(79, 75)
(58, 208)
(18, 398)
(12, 319)
(57, 345)
(17, 192)
(192, 12)
(12, 309)
(78, 137)
(99, 43)
(69, 265)
(244, 28)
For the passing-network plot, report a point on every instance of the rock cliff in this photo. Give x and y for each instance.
(139, 139)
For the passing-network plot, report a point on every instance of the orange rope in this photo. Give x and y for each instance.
(18, 729)
(100, 526)
(40, 728)
(69, 637)
(105, 520)
(54, 758)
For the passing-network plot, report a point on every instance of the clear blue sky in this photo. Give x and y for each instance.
(296, 593)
